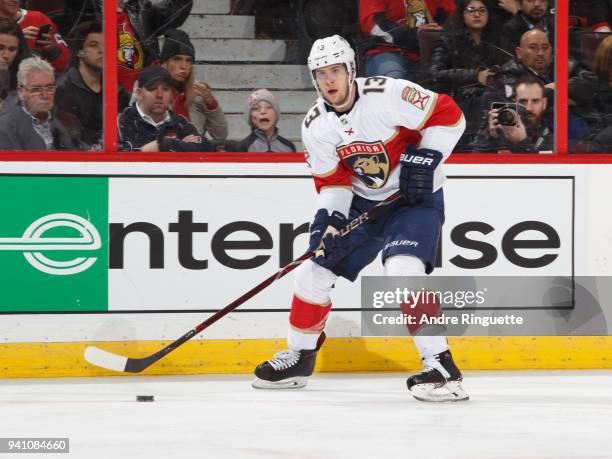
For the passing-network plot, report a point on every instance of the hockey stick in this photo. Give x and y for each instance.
(116, 362)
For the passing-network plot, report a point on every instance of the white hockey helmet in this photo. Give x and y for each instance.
(329, 51)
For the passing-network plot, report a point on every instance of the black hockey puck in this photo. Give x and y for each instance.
(144, 398)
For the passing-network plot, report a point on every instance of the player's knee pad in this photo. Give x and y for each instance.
(425, 305)
(404, 265)
(313, 283)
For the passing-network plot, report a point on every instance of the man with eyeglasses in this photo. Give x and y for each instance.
(33, 124)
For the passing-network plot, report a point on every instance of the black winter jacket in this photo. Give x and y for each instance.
(456, 61)
(75, 97)
(504, 80)
(134, 132)
(513, 30)
(582, 83)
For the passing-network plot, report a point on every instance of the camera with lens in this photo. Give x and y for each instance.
(507, 113)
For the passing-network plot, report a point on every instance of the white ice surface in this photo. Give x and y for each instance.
(545, 414)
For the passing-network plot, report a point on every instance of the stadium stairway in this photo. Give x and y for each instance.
(234, 63)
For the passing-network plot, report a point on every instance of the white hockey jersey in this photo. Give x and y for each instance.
(359, 150)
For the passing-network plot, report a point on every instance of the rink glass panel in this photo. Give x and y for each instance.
(65, 20)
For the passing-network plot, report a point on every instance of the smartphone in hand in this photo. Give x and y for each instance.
(42, 32)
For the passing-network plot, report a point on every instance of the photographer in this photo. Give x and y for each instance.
(534, 57)
(520, 127)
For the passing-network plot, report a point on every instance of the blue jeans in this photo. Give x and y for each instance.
(392, 65)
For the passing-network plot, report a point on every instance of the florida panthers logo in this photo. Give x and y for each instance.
(369, 162)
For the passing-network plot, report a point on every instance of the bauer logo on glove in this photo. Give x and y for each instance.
(417, 174)
(416, 159)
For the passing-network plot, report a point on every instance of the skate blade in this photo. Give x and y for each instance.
(290, 383)
(452, 391)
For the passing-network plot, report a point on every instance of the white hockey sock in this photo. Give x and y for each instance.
(429, 346)
(300, 341)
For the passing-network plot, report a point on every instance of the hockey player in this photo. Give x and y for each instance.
(365, 138)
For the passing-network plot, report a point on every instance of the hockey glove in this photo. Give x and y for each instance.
(417, 173)
(329, 247)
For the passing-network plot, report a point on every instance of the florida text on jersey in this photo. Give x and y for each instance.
(361, 149)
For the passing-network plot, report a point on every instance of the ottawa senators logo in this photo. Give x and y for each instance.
(369, 162)
(129, 51)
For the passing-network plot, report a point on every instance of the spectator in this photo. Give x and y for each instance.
(150, 125)
(49, 7)
(534, 57)
(32, 124)
(263, 113)
(529, 134)
(591, 13)
(466, 56)
(13, 49)
(139, 24)
(533, 15)
(315, 19)
(396, 23)
(41, 34)
(585, 16)
(602, 66)
(75, 12)
(504, 10)
(79, 91)
(192, 99)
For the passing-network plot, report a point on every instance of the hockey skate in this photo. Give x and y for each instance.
(440, 381)
(288, 369)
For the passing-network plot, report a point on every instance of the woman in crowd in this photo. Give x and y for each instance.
(192, 99)
(602, 67)
(13, 49)
(466, 55)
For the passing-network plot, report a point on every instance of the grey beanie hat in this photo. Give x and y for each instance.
(258, 96)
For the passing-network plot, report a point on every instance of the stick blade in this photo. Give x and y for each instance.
(105, 359)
